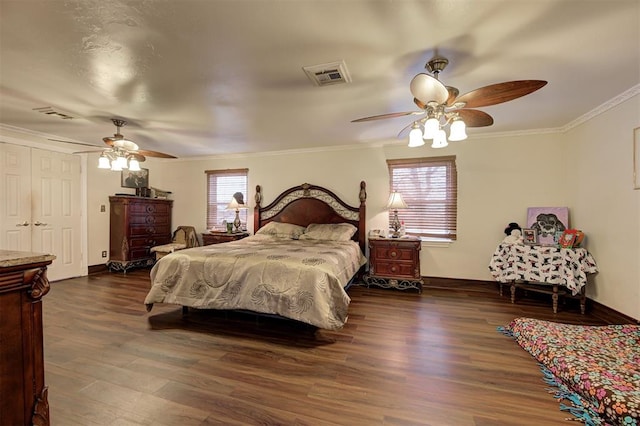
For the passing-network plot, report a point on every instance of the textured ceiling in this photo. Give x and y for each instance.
(215, 77)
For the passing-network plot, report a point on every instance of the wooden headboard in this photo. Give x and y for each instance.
(306, 204)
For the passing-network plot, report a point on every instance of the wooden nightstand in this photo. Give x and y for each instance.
(394, 263)
(221, 237)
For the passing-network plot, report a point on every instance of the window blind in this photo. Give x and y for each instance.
(221, 185)
(429, 187)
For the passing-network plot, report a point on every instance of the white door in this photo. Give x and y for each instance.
(15, 197)
(40, 206)
(55, 217)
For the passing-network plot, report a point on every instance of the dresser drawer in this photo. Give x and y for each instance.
(149, 219)
(150, 208)
(394, 252)
(149, 230)
(150, 241)
(394, 269)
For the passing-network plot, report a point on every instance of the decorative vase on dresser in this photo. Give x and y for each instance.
(137, 224)
(23, 283)
(394, 263)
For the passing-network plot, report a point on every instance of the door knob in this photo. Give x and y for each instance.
(25, 223)
(38, 223)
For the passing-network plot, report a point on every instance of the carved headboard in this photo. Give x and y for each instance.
(306, 204)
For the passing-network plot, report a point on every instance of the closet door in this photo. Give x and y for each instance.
(15, 197)
(40, 206)
(55, 214)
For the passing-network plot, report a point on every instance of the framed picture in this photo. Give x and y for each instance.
(530, 236)
(547, 221)
(131, 179)
(636, 158)
(568, 238)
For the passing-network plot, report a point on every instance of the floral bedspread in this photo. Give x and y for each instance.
(601, 364)
(300, 280)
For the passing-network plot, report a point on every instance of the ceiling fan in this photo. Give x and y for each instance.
(441, 106)
(121, 153)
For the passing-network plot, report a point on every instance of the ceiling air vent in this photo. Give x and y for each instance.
(50, 111)
(326, 74)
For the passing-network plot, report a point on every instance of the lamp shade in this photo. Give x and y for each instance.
(234, 204)
(396, 201)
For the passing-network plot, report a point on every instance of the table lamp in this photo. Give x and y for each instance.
(237, 204)
(396, 202)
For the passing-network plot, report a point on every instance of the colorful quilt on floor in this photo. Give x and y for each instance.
(595, 368)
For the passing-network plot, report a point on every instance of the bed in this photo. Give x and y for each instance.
(594, 368)
(306, 250)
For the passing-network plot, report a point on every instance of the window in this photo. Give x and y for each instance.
(221, 186)
(429, 187)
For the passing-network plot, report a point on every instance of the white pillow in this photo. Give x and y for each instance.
(282, 230)
(329, 231)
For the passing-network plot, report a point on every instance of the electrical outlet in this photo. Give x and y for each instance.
(104, 253)
(103, 209)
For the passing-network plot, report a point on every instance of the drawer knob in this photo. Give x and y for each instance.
(150, 219)
(151, 230)
(393, 253)
(150, 209)
(394, 268)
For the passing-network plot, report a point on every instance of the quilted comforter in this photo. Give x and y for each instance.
(600, 364)
(300, 280)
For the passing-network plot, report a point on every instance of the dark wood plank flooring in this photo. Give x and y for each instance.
(402, 359)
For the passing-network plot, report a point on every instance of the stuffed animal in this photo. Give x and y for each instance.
(514, 234)
(514, 238)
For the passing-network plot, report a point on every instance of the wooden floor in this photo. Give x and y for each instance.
(402, 359)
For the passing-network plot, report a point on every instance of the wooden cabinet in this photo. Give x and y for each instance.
(221, 237)
(137, 224)
(394, 263)
(23, 283)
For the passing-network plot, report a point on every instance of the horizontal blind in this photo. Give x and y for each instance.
(221, 185)
(429, 187)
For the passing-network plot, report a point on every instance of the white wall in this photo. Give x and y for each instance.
(588, 169)
(605, 205)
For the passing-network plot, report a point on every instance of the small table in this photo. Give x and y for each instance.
(214, 237)
(543, 269)
(394, 263)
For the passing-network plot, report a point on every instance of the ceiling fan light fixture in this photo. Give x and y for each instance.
(458, 132)
(134, 164)
(415, 136)
(104, 162)
(431, 127)
(116, 166)
(439, 140)
(122, 161)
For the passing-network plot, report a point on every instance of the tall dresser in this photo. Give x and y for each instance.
(137, 224)
(23, 393)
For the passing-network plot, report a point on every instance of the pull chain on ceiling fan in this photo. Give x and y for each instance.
(441, 106)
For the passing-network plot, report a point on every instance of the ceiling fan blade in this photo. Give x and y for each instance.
(153, 154)
(474, 117)
(74, 143)
(389, 115)
(88, 152)
(426, 89)
(499, 93)
(405, 131)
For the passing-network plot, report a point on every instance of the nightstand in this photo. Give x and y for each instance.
(394, 263)
(221, 237)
